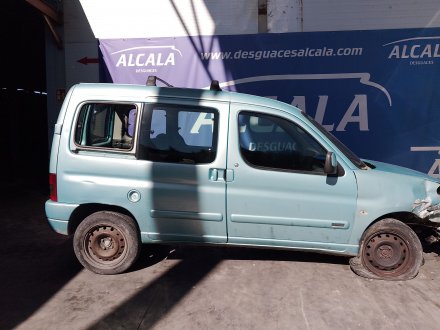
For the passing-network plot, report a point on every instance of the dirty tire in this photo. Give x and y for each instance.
(390, 250)
(107, 242)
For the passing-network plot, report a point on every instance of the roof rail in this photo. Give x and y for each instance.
(151, 81)
(215, 86)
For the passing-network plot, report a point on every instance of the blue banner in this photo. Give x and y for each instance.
(375, 90)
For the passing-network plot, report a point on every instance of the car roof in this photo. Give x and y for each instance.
(139, 93)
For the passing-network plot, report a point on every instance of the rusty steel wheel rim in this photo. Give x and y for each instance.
(386, 255)
(105, 244)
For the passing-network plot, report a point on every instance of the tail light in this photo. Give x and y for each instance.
(53, 187)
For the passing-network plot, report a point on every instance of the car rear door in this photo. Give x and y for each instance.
(182, 152)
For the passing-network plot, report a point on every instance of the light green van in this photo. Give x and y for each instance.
(145, 164)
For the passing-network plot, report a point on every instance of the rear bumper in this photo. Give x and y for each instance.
(58, 215)
(61, 227)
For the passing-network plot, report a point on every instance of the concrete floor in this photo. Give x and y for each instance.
(44, 287)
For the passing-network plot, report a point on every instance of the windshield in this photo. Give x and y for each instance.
(342, 147)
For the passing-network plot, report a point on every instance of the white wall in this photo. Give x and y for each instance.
(338, 15)
(324, 15)
(284, 16)
(164, 18)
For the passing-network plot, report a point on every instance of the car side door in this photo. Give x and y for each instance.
(280, 195)
(182, 156)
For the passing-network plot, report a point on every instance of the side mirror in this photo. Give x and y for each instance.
(331, 164)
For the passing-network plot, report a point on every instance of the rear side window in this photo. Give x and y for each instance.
(106, 125)
(276, 143)
(179, 134)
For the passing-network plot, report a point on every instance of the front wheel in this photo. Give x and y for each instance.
(391, 250)
(107, 242)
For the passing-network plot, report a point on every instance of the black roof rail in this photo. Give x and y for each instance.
(215, 86)
(151, 81)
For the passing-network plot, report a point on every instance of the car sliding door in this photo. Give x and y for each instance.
(183, 160)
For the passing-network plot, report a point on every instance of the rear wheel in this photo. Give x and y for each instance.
(107, 242)
(391, 250)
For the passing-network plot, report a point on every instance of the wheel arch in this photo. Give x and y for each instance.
(407, 218)
(84, 210)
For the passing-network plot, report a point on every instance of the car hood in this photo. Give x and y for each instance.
(389, 168)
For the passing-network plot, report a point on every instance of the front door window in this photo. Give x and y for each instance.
(272, 142)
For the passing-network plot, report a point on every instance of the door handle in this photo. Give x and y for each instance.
(213, 174)
(229, 175)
